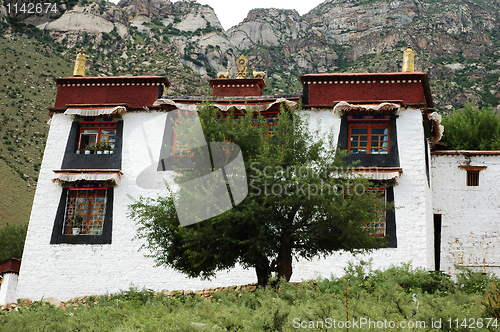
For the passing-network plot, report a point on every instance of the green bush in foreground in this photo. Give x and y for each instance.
(397, 295)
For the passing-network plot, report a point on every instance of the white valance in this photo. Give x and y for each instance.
(258, 106)
(380, 174)
(62, 176)
(96, 111)
(345, 106)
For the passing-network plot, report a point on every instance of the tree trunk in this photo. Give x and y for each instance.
(263, 271)
(285, 261)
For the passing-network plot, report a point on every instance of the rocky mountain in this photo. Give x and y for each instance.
(457, 42)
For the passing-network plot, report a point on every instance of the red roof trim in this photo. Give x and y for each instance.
(113, 79)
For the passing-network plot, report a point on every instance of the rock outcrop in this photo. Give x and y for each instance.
(268, 27)
(338, 35)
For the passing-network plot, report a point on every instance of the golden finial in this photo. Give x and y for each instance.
(258, 74)
(241, 67)
(79, 65)
(408, 59)
(224, 75)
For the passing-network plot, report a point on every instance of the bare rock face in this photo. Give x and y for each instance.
(145, 10)
(191, 16)
(86, 19)
(342, 22)
(268, 27)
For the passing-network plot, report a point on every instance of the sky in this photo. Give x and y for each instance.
(231, 13)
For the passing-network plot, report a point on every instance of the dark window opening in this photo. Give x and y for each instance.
(472, 178)
(437, 241)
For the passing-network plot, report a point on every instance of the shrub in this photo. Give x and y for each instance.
(12, 238)
(492, 302)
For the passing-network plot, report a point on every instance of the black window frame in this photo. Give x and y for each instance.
(72, 160)
(390, 159)
(57, 231)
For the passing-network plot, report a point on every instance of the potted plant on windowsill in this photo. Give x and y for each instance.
(106, 148)
(76, 224)
(88, 149)
(98, 148)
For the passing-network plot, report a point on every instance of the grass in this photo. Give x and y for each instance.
(395, 295)
(26, 90)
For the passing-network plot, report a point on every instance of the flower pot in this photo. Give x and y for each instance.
(77, 151)
(87, 151)
(76, 230)
(99, 151)
(106, 151)
(110, 151)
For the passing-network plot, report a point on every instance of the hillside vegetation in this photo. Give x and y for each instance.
(418, 299)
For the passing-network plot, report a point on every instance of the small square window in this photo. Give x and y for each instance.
(472, 178)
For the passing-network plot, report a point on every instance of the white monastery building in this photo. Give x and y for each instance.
(80, 240)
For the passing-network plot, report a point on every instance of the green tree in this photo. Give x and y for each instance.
(472, 128)
(302, 202)
(12, 239)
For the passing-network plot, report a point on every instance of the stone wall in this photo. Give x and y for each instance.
(65, 271)
(470, 222)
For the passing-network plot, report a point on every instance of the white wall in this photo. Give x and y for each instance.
(470, 215)
(68, 270)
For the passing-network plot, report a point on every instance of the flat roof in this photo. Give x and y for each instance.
(465, 152)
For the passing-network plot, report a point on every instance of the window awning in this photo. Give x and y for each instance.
(344, 106)
(96, 111)
(261, 107)
(380, 174)
(87, 175)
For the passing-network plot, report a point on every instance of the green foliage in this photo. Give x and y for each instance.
(472, 129)
(492, 302)
(294, 207)
(279, 308)
(12, 239)
(470, 281)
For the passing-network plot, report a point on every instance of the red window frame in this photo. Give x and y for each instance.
(86, 210)
(96, 125)
(369, 135)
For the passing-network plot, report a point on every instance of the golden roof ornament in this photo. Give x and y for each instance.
(79, 65)
(258, 74)
(224, 75)
(408, 59)
(241, 67)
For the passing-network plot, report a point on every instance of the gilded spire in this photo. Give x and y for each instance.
(79, 65)
(408, 59)
(241, 67)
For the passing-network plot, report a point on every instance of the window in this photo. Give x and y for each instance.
(378, 226)
(97, 136)
(472, 181)
(181, 146)
(472, 178)
(369, 139)
(85, 212)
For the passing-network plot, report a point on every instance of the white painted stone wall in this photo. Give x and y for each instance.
(64, 271)
(8, 288)
(470, 215)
